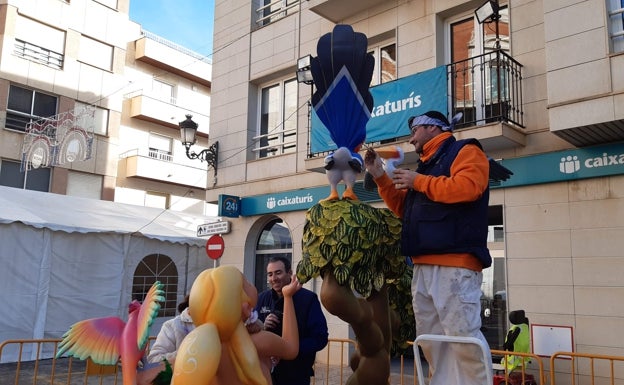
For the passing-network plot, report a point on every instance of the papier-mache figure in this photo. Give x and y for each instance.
(221, 350)
(108, 340)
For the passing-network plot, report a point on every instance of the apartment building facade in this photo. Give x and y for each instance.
(90, 107)
(539, 83)
(62, 56)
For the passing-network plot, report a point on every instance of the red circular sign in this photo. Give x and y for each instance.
(215, 247)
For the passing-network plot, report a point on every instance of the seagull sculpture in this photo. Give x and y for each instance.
(342, 72)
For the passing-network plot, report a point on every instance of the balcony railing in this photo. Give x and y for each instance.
(486, 88)
(157, 165)
(275, 10)
(160, 155)
(275, 143)
(166, 98)
(177, 47)
(616, 30)
(38, 54)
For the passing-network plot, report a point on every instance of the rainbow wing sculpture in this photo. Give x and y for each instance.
(109, 339)
(342, 73)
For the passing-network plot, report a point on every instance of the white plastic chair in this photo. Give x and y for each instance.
(463, 340)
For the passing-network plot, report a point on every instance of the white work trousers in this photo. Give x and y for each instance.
(446, 301)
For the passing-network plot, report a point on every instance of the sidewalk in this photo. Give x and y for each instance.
(49, 372)
(57, 372)
(334, 375)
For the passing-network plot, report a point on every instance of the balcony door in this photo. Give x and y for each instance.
(478, 83)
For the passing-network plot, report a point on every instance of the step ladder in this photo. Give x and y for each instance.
(452, 339)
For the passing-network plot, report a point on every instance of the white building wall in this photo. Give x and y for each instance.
(561, 239)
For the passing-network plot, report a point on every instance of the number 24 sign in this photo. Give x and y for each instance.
(229, 206)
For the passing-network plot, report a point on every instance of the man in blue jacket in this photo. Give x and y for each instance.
(310, 321)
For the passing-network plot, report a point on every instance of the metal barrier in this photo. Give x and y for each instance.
(586, 374)
(36, 365)
(523, 375)
(326, 372)
(414, 368)
(43, 367)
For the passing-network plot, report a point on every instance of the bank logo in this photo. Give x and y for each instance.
(569, 164)
(271, 203)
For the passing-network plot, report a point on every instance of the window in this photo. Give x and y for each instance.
(385, 63)
(274, 240)
(157, 200)
(95, 53)
(80, 184)
(91, 118)
(278, 120)
(493, 298)
(39, 43)
(157, 267)
(25, 105)
(37, 179)
(616, 24)
(480, 82)
(160, 147)
(163, 91)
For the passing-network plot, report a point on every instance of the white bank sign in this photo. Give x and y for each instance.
(552, 167)
(581, 163)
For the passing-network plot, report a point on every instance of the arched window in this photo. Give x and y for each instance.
(157, 267)
(274, 240)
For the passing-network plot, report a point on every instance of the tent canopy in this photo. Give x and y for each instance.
(73, 214)
(66, 259)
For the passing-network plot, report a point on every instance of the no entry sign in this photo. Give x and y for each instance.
(215, 247)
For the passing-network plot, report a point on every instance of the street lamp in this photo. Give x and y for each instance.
(188, 129)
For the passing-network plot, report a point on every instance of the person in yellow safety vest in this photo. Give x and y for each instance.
(517, 340)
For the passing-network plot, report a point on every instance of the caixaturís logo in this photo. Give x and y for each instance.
(272, 202)
(569, 164)
(572, 163)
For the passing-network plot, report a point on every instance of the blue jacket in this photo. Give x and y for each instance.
(313, 334)
(437, 228)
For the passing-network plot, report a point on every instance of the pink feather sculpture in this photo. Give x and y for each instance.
(109, 339)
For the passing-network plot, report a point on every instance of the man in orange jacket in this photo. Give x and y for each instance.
(443, 206)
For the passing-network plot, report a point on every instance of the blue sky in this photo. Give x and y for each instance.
(188, 23)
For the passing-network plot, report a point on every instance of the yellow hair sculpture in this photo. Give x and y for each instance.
(216, 302)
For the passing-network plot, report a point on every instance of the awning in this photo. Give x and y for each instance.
(74, 214)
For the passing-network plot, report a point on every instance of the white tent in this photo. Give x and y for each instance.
(65, 259)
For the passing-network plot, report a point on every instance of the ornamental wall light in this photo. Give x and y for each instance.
(188, 130)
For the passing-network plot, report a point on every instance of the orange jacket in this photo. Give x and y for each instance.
(469, 179)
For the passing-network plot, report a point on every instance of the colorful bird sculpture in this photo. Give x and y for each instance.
(109, 339)
(342, 73)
